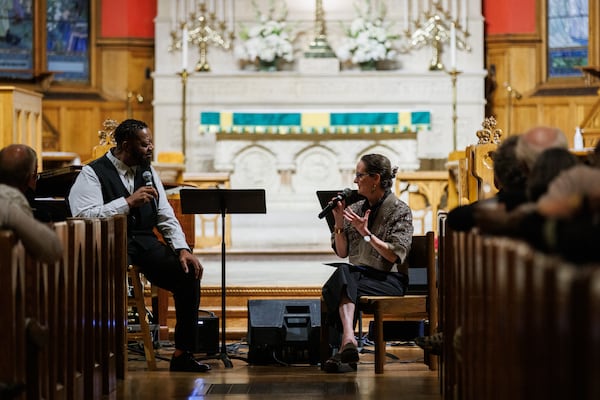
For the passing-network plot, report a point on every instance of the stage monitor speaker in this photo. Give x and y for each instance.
(207, 334)
(283, 331)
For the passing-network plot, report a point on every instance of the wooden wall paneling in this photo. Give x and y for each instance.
(556, 113)
(78, 123)
(114, 73)
(524, 117)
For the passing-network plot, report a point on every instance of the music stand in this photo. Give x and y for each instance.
(223, 201)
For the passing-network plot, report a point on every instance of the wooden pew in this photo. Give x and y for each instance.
(526, 323)
(12, 317)
(64, 322)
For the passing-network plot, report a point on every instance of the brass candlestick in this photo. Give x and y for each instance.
(319, 47)
(454, 78)
(184, 77)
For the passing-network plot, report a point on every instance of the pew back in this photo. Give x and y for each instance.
(60, 319)
(517, 323)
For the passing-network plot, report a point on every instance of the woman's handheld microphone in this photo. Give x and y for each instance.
(331, 205)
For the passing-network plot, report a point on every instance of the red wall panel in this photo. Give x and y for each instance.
(509, 16)
(128, 18)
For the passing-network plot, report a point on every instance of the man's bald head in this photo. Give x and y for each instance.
(18, 166)
(533, 142)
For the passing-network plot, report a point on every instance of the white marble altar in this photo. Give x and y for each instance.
(291, 171)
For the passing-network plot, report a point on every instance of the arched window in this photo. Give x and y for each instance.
(62, 47)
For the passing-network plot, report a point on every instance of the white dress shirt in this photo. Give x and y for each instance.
(86, 200)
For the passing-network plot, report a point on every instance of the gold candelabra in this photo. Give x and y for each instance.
(201, 27)
(435, 27)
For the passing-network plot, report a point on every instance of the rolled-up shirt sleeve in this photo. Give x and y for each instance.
(38, 238)
(86, 200)
(167, 223)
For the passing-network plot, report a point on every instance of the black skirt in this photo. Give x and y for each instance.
(356, 281)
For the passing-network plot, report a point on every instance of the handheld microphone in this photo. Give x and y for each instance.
(331, 205)
(147, 177)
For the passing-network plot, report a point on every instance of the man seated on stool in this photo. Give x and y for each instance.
(124, 182)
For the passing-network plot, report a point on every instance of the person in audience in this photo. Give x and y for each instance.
(514, 160)
(498, 218)
(533, 142)
(565, 220)
(375, 234)
(124, 182)
(509, 179)
(18, 174)
(547, 166)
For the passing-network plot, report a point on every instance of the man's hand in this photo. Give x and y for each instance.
(142, 196)
(187, 260)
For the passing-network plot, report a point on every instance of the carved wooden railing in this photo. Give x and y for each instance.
(425, 192)
(64, 323)
(471, 173)
(517, 324)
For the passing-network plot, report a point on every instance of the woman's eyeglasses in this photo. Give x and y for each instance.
(360, 175)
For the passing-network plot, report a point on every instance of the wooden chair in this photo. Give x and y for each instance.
(412, 307)
(137, 301)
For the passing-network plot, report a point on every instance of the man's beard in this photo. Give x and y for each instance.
(145, 162)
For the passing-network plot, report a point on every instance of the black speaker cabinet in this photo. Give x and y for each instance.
(283, 331)
(207, 334)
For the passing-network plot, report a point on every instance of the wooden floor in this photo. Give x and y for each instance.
(406, 378)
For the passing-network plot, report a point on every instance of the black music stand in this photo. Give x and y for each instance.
(223, 201)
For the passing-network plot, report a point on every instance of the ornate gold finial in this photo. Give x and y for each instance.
(489, 133)
(106, 134)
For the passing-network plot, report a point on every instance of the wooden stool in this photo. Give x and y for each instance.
(133, 272)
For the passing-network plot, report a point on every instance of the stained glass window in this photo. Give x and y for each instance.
(66, 39)
(567, 37)
(16, 39)
(67, 28)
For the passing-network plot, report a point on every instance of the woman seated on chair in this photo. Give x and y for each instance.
(375, 233)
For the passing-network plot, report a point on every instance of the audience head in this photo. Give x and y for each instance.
(18, 167)
(380, 164)
(508, 175)
(134, 143)
(547, 166)
(533, 142)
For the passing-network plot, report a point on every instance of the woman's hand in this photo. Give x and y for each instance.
(359, 223)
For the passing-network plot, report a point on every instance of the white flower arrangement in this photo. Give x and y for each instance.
(269, 39)
(368, 38)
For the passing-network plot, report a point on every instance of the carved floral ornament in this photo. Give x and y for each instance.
(489, 133)
(106, 135)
